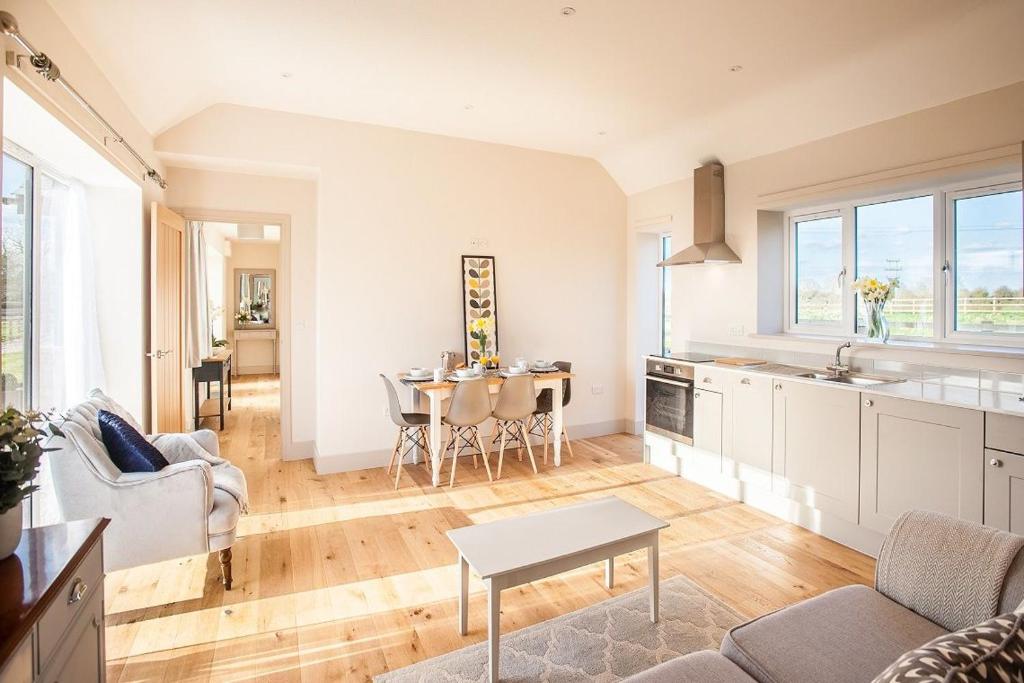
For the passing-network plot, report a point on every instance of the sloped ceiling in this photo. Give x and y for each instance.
(645, 87)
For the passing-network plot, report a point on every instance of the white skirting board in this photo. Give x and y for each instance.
(705, 468)
(349, 462)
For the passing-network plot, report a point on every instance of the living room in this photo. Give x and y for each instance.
(736, 343)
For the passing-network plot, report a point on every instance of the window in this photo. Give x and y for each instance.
(666, 298)
(988, 263)
(957, 252)
(15, 299)
(895, 239)
(818, 256)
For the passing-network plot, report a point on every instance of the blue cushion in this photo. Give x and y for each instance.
(128, 449)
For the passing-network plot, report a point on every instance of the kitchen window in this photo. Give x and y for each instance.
(957, 251)
(666, 298)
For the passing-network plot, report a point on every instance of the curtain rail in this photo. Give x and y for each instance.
(51, 72)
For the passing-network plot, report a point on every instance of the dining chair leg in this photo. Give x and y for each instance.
(487, 464)
(529, 448)
(568, 443)
(426, 449)
(455, 458)
(501, 451)
(398, 475)
(394, 453)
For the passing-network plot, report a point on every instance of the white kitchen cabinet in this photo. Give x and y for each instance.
(919, 456)
(1004, 490)
(815, 446)
(707, 421)
(747, 422)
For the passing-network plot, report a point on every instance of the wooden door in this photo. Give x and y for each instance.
(816, 446)
(167, 319)
(1004, 491)
(919, 456)
(707, 421)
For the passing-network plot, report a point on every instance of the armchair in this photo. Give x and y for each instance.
(190, 507)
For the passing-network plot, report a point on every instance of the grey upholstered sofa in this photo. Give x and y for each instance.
(934, 575)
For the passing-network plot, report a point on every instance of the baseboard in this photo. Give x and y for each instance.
(256, 370)
(350, 462)
(298, 450)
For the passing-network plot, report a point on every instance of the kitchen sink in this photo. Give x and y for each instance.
(851, 378)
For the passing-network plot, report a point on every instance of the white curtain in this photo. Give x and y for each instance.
(197, 319)
(70, 360)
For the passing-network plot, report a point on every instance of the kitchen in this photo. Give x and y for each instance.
(835, 428)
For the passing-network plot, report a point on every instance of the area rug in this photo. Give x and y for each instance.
(608, 641)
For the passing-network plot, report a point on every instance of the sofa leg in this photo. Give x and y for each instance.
(225, 567)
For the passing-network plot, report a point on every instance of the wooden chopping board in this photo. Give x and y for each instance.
(740, 361)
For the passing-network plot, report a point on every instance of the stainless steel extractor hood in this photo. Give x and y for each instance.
(708, 221)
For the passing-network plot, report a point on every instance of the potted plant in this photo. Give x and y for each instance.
(21, 448)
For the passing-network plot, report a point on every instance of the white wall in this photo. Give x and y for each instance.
(252, 356)
(710, 300)
(396, 209)
(234, 195)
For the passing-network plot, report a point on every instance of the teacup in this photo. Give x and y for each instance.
(419, 372)
(541, 364)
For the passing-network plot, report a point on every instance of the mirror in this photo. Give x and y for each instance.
(254, 298)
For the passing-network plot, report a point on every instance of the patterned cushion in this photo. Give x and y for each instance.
(990, 651)
(128, 449)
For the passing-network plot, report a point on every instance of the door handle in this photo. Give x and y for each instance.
(158, 354)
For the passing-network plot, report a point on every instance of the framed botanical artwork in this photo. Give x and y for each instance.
(480, 310)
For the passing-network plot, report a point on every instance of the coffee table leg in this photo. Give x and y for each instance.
(609, 573)
(652, 570)
(493, 629)
(463, 596)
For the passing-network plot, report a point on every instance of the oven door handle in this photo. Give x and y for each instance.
(685, 384)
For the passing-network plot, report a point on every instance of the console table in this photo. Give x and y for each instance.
(51, 605)
(264, 334)
(213, 369)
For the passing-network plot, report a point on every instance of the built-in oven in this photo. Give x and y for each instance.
(669, 404)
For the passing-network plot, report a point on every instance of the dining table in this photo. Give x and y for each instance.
(428, 396)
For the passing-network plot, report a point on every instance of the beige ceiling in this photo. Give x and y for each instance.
(653, 75)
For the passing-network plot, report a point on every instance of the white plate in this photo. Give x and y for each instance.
(550, 368)
(425, 378)
(455, 378)
(506, 373)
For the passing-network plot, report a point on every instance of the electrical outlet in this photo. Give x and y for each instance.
(596, 389)
(736, 330)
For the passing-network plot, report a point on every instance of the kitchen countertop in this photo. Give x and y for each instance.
(930, 392)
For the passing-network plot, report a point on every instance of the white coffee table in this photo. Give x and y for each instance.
(511, 552)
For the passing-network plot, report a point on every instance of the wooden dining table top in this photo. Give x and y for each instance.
(492, 380)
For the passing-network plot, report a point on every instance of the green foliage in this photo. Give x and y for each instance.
(21, 439)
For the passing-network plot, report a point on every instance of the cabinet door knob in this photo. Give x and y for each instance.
(995, 462)
(696, 394)
(745, 380)
(869, 403)
(706, 380)
(778, 387)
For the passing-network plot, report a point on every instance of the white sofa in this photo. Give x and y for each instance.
(190, 507)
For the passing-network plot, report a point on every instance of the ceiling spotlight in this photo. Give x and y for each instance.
(568, 11)
(736, 67)
(602, 132)
(468, 107)
(286, 74)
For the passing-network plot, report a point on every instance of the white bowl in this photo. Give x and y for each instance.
(513, 370)
(541, 364)
(419, 372)
(465, 372)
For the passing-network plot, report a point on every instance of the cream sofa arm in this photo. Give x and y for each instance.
(159, 514)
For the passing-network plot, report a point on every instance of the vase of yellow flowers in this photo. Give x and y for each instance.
(481, 330)
(876, 293)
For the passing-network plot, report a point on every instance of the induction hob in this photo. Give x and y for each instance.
(691, 357)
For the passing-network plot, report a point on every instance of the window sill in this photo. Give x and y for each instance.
(895, 346)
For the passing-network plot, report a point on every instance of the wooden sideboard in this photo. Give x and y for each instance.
(51, 605)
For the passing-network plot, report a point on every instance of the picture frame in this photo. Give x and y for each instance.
(479, 301)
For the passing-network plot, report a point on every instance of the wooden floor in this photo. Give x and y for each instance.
(339, 577)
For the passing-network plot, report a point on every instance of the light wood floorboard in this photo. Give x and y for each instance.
(341, 577)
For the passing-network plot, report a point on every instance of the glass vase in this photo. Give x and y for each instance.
(878, 326)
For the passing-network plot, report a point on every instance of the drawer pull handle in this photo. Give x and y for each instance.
(745, 380)
(706, 380)
(78, 589)
(995, 462)
(869, 403)
(778, 387)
